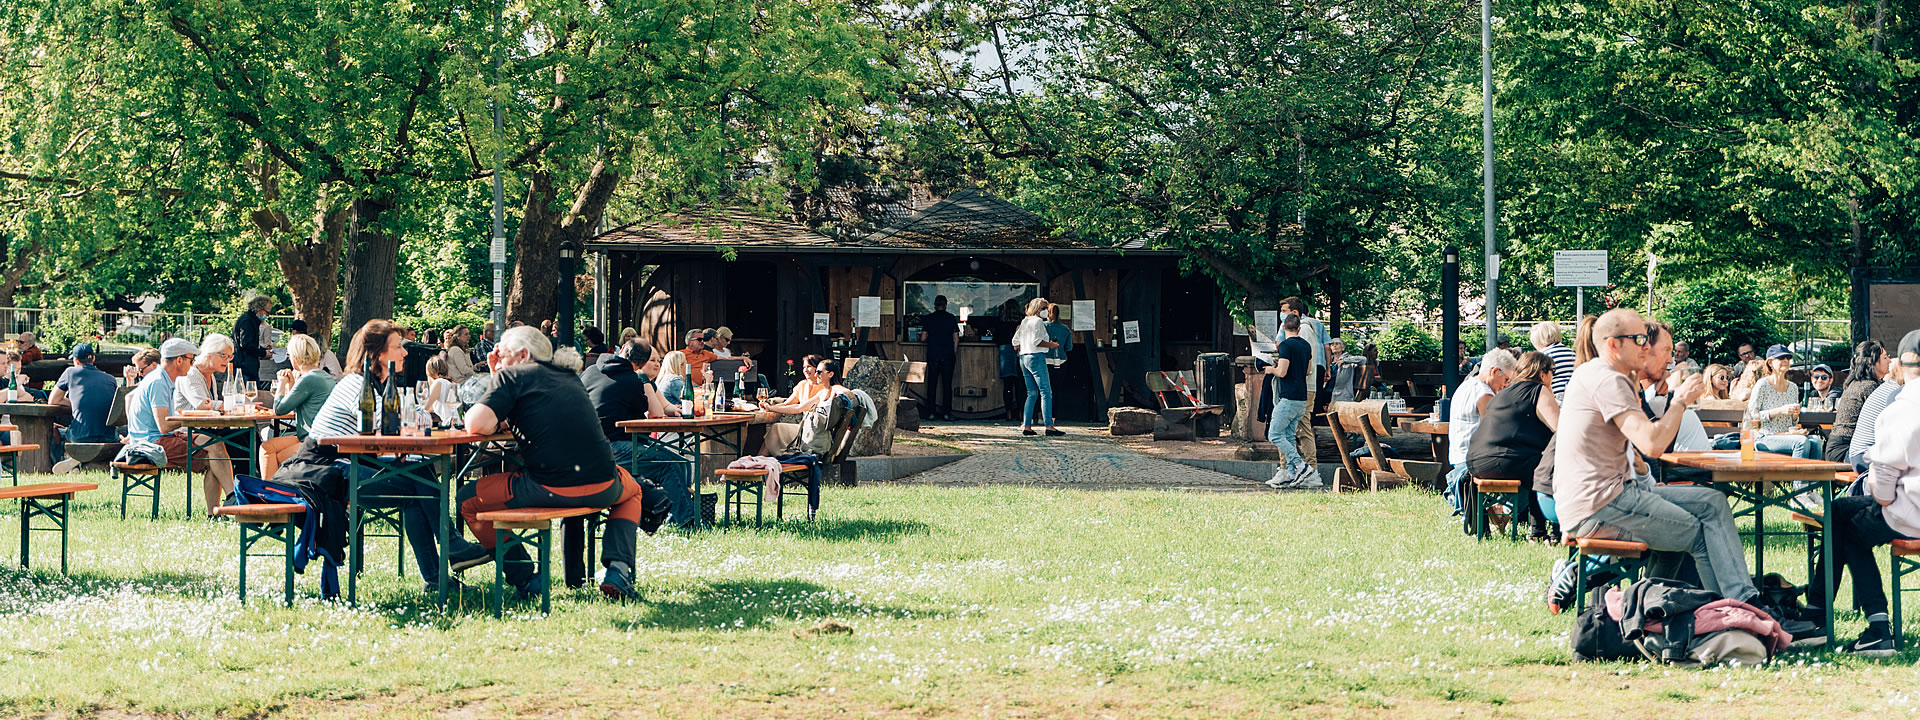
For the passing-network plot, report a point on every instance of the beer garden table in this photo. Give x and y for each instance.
(239, 431)
(726, 429)
(425, 459)
(1436, 432)
(1770, 480)
(35, 422)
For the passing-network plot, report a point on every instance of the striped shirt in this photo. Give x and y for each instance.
(341, 414)
(1870, 416)
(1562, 367)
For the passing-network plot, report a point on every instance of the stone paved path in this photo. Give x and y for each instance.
(1082, 459)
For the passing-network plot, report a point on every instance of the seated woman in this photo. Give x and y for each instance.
(1743, 385)
(804, 427)
(673, 380)
(1775, 402)
(200, 389)
(1514, 431)
(1871, 364)
(14, 379)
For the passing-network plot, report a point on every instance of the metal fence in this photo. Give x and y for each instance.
(59, 326)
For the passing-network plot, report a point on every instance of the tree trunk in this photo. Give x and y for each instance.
(312, 271)
(536, 268)
(373, 259)
(14, 270)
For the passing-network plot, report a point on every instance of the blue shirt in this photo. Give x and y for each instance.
(90, 392)
(156, 391)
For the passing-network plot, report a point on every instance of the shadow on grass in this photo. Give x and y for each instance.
(27, 589)
(754, 604)
(852, 530)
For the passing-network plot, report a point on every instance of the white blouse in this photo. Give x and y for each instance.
(1032, 332)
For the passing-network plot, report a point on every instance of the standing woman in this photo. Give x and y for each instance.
(1032, 343)
(1870, 365)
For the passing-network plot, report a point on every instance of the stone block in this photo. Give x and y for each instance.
(1130, 420)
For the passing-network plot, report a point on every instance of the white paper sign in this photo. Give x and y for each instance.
(1239, 330)
(497, 250)
(1266, 325)
(866, 311)
(1131, 329)
(1083, 315)
(1579, 268)
(822, 325)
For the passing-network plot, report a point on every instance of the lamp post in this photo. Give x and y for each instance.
(1492, 254)
(564, 295)
(1450, 320)
(497, 250)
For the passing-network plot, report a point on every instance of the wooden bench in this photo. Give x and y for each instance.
(137, 476)
(1626, 557)
(10, 456)
(1174, 390)
(738, 483)
(1905, 555)
(264, 521)
(1368, 419)
(1486, 493)
(844, 420)
(48, 500)
(93, 454)
(510, 528)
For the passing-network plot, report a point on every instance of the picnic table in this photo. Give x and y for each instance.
(1809, 419)
(1436, 432)
(237, 431)
(1773, 480)
(36, 422)
(425, 459)
(684, 437)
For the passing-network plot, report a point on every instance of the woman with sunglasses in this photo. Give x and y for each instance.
(1719, 382)
(200, 389)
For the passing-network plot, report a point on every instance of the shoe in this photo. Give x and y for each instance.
(529, 591)
(66, 467)
(1876, 642)
(469, 556)
(1028, 433)
(1805, 634)
(1561, 592)
(615, 584)
(454, 587)
(1278, 482)
(1054, 432)
(1309, 478)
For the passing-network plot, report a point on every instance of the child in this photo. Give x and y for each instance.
(441, 398)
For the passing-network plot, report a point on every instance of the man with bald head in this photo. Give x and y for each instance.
(1592, 492)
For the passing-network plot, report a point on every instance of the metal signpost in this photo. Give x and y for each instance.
(1579, 269)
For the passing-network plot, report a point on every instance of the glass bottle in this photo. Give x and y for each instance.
(369, 407)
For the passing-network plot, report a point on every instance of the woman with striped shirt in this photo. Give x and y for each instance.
(1546, 336)
(1869, 419)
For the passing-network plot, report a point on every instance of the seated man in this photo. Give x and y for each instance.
(568, 462)
(90, 393)
(1891, 512)
(1463, 418)
(148, 409)
(620, 393)
(1592, 492)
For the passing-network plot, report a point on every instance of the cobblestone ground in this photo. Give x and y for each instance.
(1084, 458)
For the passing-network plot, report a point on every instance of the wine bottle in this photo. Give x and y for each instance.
(390, 403)
(368, 407)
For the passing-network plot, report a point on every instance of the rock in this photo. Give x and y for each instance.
(1163, 430)
(907, 415)
(1130, 420)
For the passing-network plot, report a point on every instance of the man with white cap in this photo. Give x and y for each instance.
(148, 409)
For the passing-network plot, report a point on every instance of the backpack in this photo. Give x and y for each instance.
(1597, 636)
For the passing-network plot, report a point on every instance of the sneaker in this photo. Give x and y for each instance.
(1560, 586)
(615, 584)
(1876, 642)
(454, 586)
(1280, 479)
(1309, 478)
(66, 467)
(469, 556)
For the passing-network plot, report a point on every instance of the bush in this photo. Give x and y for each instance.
(442, 319)
(1717, 314)
(1405, 341)
(1839, 355)
(61, 329)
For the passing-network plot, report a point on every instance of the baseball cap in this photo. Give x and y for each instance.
(1910, 346)
(176, 347)
(1822, 367)
(1778, 351)
(83, 351)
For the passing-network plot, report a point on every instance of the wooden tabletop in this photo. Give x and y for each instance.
(1425, 426)
(685, 424)
(1726, 465)
(441, 442)
(241, 420)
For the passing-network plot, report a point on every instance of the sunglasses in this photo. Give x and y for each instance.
(1637, 338)
(1823, 377)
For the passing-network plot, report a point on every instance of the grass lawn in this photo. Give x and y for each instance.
(977, 603)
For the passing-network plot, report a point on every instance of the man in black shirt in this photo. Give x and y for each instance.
(943, 337)
(1291, 362)
(622, 391)
(567, 459)
(251, 337)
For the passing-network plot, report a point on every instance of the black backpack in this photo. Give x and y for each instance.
(1596, 635)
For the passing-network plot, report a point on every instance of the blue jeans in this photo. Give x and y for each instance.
(1280, 431)
(1033, 369)
(1800, 446)
(665, 468)
(1678, 519)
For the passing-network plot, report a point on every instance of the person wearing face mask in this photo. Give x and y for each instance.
(567, 460)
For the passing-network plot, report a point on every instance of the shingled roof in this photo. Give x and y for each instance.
(972, 220)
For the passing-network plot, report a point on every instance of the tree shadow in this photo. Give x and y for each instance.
(45, 584)
(852, 529)
(758, 604)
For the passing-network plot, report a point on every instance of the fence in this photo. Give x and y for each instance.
(58, 328)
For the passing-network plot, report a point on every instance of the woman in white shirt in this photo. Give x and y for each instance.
(200, 388)
(1775, 402)
(1031, 343)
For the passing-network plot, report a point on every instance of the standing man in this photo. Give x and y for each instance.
(698, 355)
(943, 341)
(1315, 336)
(90, 393)
(252, 337)
(1602, 421)
(1292, 361)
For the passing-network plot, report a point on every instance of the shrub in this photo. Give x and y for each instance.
(1839, 355)
(1717, 314)
(443, 319)
(61, 329)
(1405, 341)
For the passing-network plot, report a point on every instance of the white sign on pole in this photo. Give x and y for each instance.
(497, 252)
(822, 325)
(1579, 268)
(1131, 329)
(866, 311)
(1083, 315)
(1266, 325)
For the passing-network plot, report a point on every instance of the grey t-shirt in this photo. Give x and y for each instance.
(1591, 469)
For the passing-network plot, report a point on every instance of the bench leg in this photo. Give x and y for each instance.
(540, 573)
(1899, 638)
(25, 529)
(246, 543)
(1579, 583)
(499, 569)
(286, 544)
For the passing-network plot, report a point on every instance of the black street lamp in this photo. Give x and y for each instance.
(569, 264)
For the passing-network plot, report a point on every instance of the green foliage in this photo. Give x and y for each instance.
(1839, 355)
(444, 319)
(61, 329)
(1717, 314)
(1403, 340)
